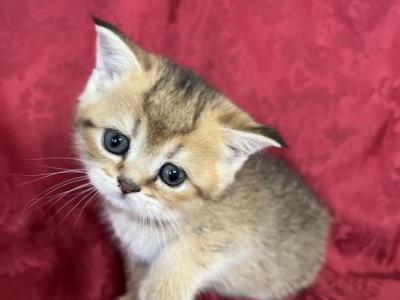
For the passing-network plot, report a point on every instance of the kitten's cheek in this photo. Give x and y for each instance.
(104, 185)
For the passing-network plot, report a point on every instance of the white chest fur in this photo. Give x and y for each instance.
(139, 239)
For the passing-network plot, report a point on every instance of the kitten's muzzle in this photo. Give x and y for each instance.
(127, 185)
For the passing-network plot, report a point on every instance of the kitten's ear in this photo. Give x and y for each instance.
(243, 138)
(246, 141)
(115, 56)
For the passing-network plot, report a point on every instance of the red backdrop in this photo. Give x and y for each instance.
(326, 73)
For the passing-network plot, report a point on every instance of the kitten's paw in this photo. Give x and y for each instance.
(127, 296)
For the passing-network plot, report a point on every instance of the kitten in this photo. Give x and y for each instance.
(191, 202)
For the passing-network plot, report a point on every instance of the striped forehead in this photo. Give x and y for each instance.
(174, 103)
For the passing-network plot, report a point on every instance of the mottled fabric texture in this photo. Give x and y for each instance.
(325, 73)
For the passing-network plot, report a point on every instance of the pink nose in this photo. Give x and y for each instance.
(127, 186)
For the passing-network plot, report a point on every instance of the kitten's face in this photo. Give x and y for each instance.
(157, 140)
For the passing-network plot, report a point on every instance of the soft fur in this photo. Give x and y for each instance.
(241, 224)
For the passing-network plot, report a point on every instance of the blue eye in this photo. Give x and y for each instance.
(115, 142)
(172, 175)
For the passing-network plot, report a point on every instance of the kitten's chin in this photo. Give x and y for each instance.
(115, 201)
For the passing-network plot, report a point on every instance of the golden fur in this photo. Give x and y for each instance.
(241, 224)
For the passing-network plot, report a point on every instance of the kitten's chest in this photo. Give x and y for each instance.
(140, 240)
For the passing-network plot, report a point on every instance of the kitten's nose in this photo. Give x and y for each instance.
(127, 186)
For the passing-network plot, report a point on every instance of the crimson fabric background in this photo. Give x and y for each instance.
(326, 73)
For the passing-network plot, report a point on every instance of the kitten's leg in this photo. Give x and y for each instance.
(135, 275)
(181, 270)
(127, 296)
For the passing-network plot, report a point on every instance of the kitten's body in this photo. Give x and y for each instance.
(264, 229)
(241, 226)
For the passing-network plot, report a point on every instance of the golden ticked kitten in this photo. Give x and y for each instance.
(191, 202)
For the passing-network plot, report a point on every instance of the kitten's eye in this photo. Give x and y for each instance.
(172, 175)
(115, 142)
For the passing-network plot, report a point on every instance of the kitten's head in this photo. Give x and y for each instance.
(156, 139)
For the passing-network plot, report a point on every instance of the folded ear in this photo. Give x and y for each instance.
(246, 141)
(252, 139)
(116, 55)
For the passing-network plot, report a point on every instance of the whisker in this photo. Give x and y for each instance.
(47, 175)
(59, 168)
(44, 174)
(59, 196)
(76, 205)
(69, 201)
(142, 228)
(173, 225)
(162, 229)
(64, 205)
(42, 195)
(61, 158)
(155, 229)
(146, 219)
(93, 197)
(62, 184)
(57, 158)
(59, 186)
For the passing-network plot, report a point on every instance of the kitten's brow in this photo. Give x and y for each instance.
(172, 153)
(86, 123)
